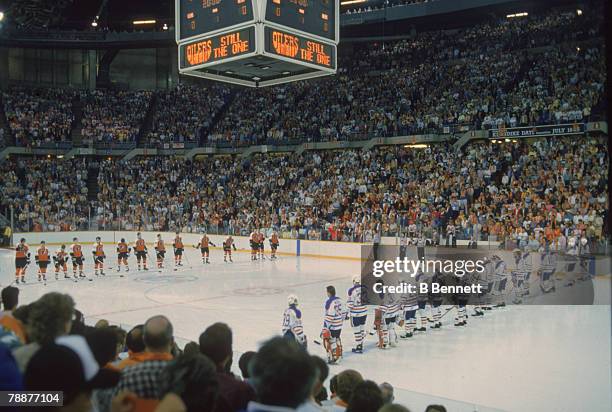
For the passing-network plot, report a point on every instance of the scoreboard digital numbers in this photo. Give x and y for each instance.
(299, 48)
(206, 16)
(315, 17)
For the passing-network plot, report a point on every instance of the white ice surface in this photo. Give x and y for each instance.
(530, 358)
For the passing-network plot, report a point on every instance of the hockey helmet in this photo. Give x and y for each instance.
(292, 300)
(356, 280)
(98, 238)
(22, 240)
(42, 242)
(63, 247)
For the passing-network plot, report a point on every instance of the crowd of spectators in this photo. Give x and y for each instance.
(113, 116)
(38, 116)
(527, 193)
(185, 112)
(496, 74)
(547, 68)
(45, 194)
(46, 346)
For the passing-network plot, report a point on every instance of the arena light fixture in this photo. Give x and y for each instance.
(416, 146)
(514, 15)
(165, 27)
(578, 12)
(141, 22)
(347, 2)
(94, 24)
(1, 15)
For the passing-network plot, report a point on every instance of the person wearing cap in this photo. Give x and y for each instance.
(10, 300)
(80, 373)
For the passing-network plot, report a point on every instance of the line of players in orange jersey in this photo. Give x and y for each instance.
(74, 253)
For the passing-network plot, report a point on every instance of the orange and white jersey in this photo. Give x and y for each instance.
(21, 250)
(178, 242)
(204, 241)
(254, 237)
(99, 249)
(77, 250)
(227, 243)
(261, 237)
(122, 247)
(274, 238)
(42, 254)
(61, 254)
(159, 246)
(140, 245)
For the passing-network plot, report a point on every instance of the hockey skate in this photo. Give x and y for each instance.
(358, 349)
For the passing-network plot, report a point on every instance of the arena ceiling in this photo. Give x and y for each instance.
(79, 14)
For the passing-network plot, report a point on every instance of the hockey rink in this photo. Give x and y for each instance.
(520, 358)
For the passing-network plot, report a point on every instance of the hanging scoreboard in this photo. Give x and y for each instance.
(257, 42)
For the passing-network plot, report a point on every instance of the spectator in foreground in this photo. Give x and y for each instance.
(367, 397)
(10, 300)
(435, 408)
(333, 388)
(135, 345)
(313, 403)
(141, 378)
(283, 375)
(68, 365)
(10, 376)
(347, 382)
(387, 392)
(193, 378)
(243, 364)
(191, 348)
(216, 344)
(50, 317)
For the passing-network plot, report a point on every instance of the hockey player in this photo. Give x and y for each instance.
(500, 280)
(409, 305)
(548, 266)
(462, 299)
(358, 312)
(98, 254)
(59, 260)
(521, 274)
(292, 322)
(140, 248)
(76, 253)
(228, 244)
(178, 246)
(572, 259)
(403, 246)
(273, 245)
(42, 260)
(422, 299)
(123, 250)
(261, 239)
(332, 326)
(253, 239)
(160, 252)
(22, 255)
(203, 244)
(389, 308)
(436, 302)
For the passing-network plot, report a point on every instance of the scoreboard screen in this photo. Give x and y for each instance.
(205, 16)
(316, 17)
(215, 49)
(299, 48)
